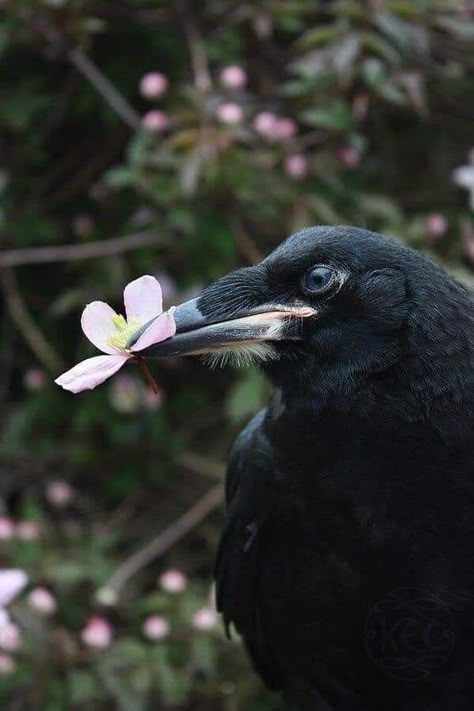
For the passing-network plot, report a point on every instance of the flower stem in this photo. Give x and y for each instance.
(148, 374)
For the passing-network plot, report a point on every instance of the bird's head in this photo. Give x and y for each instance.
(330, 305)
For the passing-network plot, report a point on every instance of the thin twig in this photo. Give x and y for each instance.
(73, 252)
(201, 465)
(105, 88)
(23, 320)
(164, 541)
(244, 242)
(202, 75)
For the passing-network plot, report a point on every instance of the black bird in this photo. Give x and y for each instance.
(347, 557)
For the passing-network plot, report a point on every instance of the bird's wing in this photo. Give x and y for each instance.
(248, 498)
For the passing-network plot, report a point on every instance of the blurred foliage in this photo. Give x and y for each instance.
(381, 96)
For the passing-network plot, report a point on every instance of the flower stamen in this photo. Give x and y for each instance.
(124, 331)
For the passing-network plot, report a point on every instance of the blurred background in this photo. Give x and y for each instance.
(181, 139)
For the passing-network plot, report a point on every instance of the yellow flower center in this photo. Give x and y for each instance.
(124, 331)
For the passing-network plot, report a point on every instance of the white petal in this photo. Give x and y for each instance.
(12, 583)
(91, 372)
(143, 299)
(464, 176)
(159, 330)
(97, 324)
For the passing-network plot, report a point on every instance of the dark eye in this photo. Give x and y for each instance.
(319, 279)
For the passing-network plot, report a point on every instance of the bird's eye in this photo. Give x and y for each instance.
(319, 279)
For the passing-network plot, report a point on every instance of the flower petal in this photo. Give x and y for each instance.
(143, 299)
(91, 372)
(160, 329)
(97, 324)
(12, 583)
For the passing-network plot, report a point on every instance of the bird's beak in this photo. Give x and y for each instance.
(196, 333)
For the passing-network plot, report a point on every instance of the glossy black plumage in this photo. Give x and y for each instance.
(356, 481)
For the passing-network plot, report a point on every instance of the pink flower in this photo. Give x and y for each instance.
(111, 333)
(27, 531)
(127, 394)
(10, 637)
(12, 582)
(230, 113)
(97, 633)
(155, 121)
(59, 493)
(233, 77)
(350, 156)
(7, 528)
(464, 177)
(284, 129)
(34, 379)
(296, 166)
(153, 85)
(436, 225)
(42, 601)
(173, 581)
(264, 123)
(156, 627)
(7, 664)
(152, 400)
(204, 619)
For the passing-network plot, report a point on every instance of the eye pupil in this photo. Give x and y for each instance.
(319, 278)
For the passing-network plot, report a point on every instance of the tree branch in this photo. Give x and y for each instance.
(73, 252)
(163, 542)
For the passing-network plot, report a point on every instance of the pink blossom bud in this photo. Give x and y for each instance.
(7, 528)
(10, 637)
(230, 113)
(436, 225)
(59, 493)
(233, 77)
(296, 166)
(7, 664)
(152, 400)
(173, 581)
(153, 85)
(204, 619)
(97, 633)
(42, 601)
(28, 531)
(83, 225)
(350, 156)
(284, 129)
(156, 627)
(34, 379)
(264, 123)
(155, 121)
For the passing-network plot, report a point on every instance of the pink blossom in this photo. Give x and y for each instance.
(42, 601)
(7, 664)
(34, 379)
(152, 400)
(10, 637)
(436, 225)
(127, 394)
(264, 123)
(173, 581)
(111, 333)
(28, 531)
(7, 528)
(156, 627)
(59, 493)
(97, 633)
(204, 619)
(12, 582)
(350, 156)
(233, 77)
(153, 85)
(464, 177)
(230, 113)
(296, 166)
(155, 121)
(284, 129)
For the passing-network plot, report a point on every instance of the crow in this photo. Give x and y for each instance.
(346, 561)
